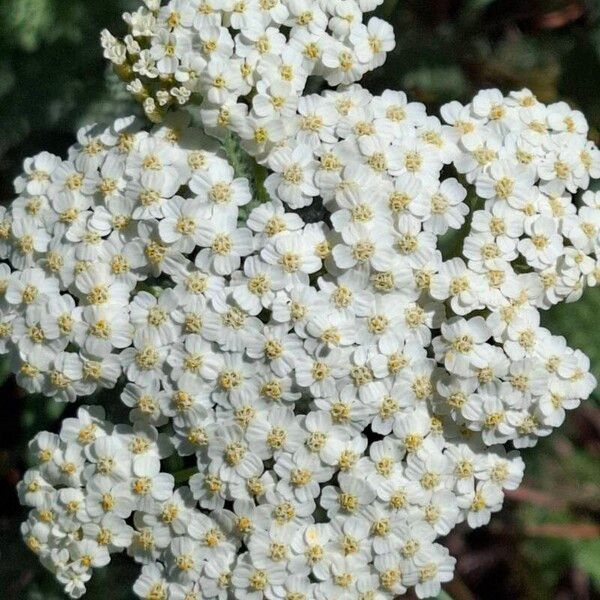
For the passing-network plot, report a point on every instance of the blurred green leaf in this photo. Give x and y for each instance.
(437, 82)
(587, 558)
(27, 21)
(472, 10)
(548, 562)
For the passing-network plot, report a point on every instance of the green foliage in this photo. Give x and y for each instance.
(244, 166)
(51, 73)
(587, 557)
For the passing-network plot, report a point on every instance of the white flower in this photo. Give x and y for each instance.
(180, 224)
(443, 207)
(30, 288)
(216, 576)
(436, 566)
(457, 282)
(342, 63)
(104, 501)
(145, 403)
(321, 372)
(292, 178)
(271, 219)
(301, 475)
(441, 512)
(353, 496)
(384, 461)
(346, 572)
(38, 170)
(112, 533)
(152, 318)
(278, 348)
(98, 287)
(255, 288)
(543, 245)
(193, 359)
(151, 580)
(460, 344)
(429, 471)
(292, 257)
(63, 382)
(272, 549)
(253, 583)
(218, 188)
(224, 243)
(486, 412)
(167, 48)
(29, 240)
(505, 181)
(143, 364)
(184, 559)
(480, 503)
(100, 330)
(373, 41)
(230, 454)
(229, 325)
(148, 485)
(363, 247)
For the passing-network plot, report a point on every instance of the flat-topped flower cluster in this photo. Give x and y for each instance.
(341, 391)
(346, 393)
(245, 61)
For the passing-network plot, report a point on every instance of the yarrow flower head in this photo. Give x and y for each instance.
(338, 392)
(247, 62)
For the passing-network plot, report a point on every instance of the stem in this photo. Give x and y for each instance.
(260, 174)
(236, 156)
(565, 531)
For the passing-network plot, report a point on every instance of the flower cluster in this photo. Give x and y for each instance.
(86, 484)
(343, 392)
(246, 61)
(527, 161)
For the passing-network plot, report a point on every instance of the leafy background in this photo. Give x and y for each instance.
(546, 543)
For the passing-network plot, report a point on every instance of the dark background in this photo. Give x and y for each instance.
(545, 545)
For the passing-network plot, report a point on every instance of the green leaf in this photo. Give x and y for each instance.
(471, 12)
(184, 475)
(587, 558)
(436, 82)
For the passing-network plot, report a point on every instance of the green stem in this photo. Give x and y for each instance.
(236, 156)
(260, 174)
